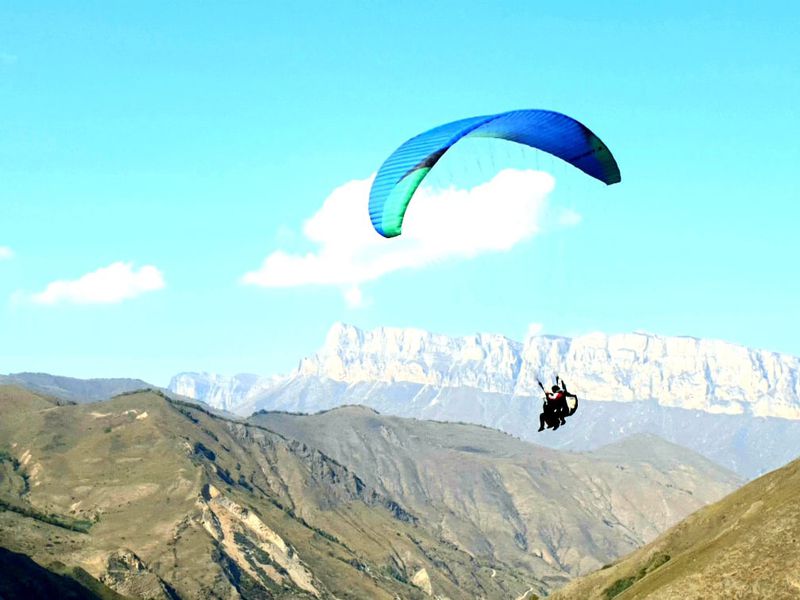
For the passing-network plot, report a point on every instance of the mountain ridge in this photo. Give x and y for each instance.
(72, 389)
(683, 372)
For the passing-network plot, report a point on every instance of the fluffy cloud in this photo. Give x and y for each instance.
(439, 225)
(117, 282)
(6, 253)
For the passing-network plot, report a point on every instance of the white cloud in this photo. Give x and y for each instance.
(534, 329)
(117, 282)
(6, 253)
(439, 225)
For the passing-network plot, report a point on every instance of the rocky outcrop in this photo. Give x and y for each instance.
(253, 546)
(128, 575)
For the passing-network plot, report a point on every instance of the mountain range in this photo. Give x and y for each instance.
(115, 491)
(150, 497)
(737, 406)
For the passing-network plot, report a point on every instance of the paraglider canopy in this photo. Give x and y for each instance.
(552, 132)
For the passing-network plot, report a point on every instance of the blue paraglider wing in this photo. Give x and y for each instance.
(552, 132)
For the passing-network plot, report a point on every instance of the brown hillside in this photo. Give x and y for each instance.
(745, 546)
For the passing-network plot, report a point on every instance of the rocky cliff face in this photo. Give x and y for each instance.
(708, 375)
(683, 372)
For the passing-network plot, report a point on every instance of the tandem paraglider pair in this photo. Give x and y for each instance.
(559, 404)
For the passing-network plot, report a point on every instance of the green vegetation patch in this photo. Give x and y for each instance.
(620, 585)
(6, 456)
(79, 525)
(16, 469)
(393, 571)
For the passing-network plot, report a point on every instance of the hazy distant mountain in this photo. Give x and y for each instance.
(745, 546)
(161, 499)
(72, 389)
(220, 391)
(737, 406)
(553, 513)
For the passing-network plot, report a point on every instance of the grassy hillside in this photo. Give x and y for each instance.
(744, 546)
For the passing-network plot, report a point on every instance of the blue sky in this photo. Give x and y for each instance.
(197, 140)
